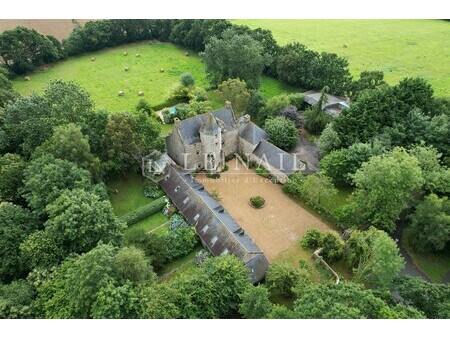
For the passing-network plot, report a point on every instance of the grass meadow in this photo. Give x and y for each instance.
(106, 76)
(399, 48)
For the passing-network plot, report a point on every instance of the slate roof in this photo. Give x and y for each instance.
(190, 128)
(278, 158)
(334, 105)
(218, 230)
(253, 134)
(210, 127)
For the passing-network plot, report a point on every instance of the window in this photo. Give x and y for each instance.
(185, 200)
(177, 188)
(197, 152)
(225, 252)
(214, 240)
(217, 143)
(166, 178)
(196, 217)
(205, 228)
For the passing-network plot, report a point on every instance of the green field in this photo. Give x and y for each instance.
(400, 48)
(106, 76)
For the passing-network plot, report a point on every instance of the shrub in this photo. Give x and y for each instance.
(257, 201)
(201, 257)
(312, 239)
(176, 221)
(282, 132)
(213, 175)
(333, 247)
(291, 113)
(152, 190)
(144, 211)
(261, 171)
(180, 241)
(215, 195)
(284, 279)
(187, 80)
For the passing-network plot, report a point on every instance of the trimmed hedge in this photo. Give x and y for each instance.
(144, 211)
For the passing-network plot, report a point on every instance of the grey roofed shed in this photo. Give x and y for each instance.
(218, 231)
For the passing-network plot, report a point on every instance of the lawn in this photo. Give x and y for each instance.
(148, 223)
(399, 48)
(434, 265)
(106, 76)
(130, 193)
(180, 265)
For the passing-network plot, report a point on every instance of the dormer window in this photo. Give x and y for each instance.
(177, 188)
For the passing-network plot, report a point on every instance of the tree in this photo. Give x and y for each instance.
(316, 118)
(283, 279)
(88, 287)
(16, 300)
(235, 91)
(68, 143)
(316, 188)
(127, 138)
(431, 298)
(187, 80)
(40, 250)
(11, 177)
(23, 49)
(342, 301)
(154, 247)
(282, 132)
(291, 113)
(385, 186)
(367, 80)
(234, 55)
(7, 94)
(78, 220)
(27, 123)
(374, 257)
(46, 178)
(430, 224)
(16, 224)
(131, 264)
(255, 303)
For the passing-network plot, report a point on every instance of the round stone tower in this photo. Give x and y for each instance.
(211, 137)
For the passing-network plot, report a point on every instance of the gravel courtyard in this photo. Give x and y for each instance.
(274, 228)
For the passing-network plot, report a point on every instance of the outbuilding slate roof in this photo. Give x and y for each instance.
(190, 128)
(218, 231)
(253, 134)
(278, 158)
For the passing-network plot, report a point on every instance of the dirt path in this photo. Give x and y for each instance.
(274, 228)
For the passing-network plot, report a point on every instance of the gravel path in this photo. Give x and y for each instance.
(274, 228)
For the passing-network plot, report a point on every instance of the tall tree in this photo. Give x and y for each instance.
(234, 55)
(16, 224)
(282, 132)
(235, 91)
(384, 188)
(374, 257)
(430, 224)
(255, 303)
(11, 177)
(78, 220)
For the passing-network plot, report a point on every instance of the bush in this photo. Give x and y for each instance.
(180, 242)
(284, 279)
(282, 132)
(187, 80)
(257, 201)
(152, 190)
(261, 171)
(333, 247)
(213, 175)
(176, 221)
(312, 239)
(144, 211)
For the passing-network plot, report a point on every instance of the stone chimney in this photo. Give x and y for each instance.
(228, 104)
(177, 121)
(246, 118)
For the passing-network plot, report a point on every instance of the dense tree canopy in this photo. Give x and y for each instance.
(282, 132)
(23, 49)
(16, 223)
(11, 177)
(234, 55)
(235, 91)
(384, 188)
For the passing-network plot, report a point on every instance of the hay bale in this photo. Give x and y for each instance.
(141, 93)
(92, 59)
(138, 55)
(127, 69)
(121, 93)
(344, 46)
(187, 54)
(125, 53)
(26, 78)
(161, 70)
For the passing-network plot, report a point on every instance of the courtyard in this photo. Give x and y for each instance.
(278, 225)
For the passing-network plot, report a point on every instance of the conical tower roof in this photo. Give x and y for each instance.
(210, 127)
